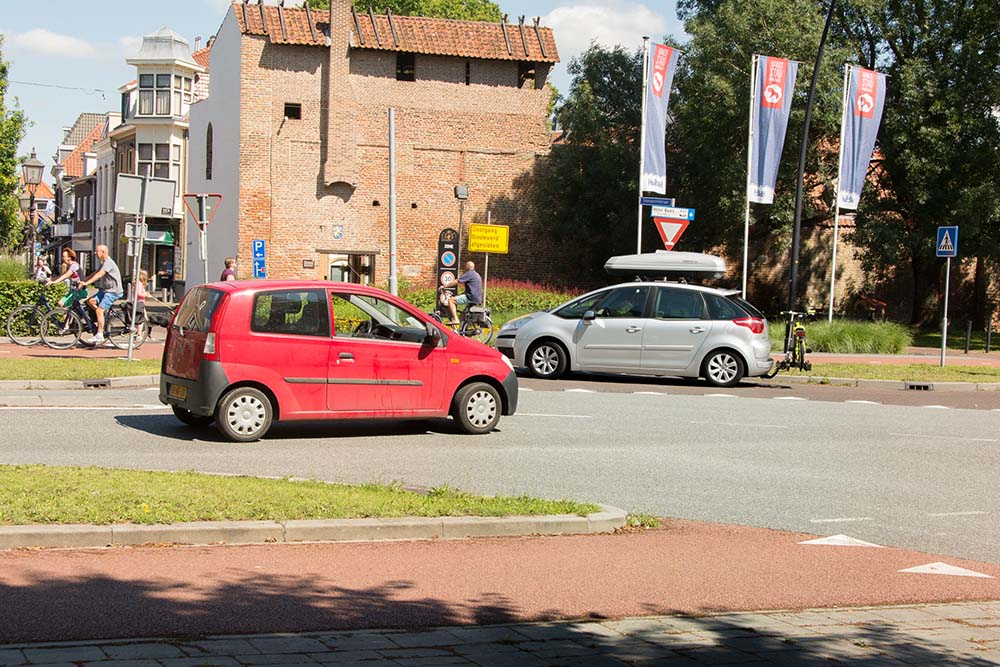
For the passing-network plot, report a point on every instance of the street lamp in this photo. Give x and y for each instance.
(31, 171)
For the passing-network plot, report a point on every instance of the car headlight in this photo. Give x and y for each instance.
(507, 361)
(517, 323)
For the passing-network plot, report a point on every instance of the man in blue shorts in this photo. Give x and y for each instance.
(473, 290)
(109, 290)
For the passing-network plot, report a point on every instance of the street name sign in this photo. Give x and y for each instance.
(489, 238)
(656, 201)
(672, 212)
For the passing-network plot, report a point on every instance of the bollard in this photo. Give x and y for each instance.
(968, 334)
(989, 336)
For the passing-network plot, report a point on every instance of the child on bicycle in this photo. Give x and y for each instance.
(140, 296)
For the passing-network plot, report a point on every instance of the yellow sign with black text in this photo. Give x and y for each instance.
(489, 238)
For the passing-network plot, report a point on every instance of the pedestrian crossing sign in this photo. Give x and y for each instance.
(947, 241)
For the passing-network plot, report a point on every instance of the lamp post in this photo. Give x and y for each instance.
(31, 171)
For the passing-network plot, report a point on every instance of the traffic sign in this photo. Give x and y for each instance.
(134, 230)
(259, 271)
(448, 258)
(656, 201)
(947, 241)
(674, 213)
(489, 238)
(670, 230)
(211, 206)
(259, 249)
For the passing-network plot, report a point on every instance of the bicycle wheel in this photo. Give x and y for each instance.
(61, 329)
(24, 325)
(481, 331)
(800, 353)
(116, 329)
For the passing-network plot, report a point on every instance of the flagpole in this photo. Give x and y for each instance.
(746, 221)
(836, 215)
(642, 137)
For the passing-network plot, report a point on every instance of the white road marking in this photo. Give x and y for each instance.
(972, 513)
(740, 424)
(650, 393)
(539, 414)
(864, 402)
(843, 519)
(944, 568)
(721, 395)
(525, 389)
(580, 391)
(84, 407)
(790, 398)
(841, 541)
(937, 407)
(944, 437)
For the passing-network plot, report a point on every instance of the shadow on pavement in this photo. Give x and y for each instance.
(79, 608)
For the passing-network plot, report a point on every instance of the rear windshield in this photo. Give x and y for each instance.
(197, 309)
(747, 306)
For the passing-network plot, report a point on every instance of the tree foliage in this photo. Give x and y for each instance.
(464, 10)
(12, 125)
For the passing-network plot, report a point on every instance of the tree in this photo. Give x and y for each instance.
(465, 10)
(940, 135)
(12, 125)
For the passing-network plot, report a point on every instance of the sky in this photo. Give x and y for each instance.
(78, 49)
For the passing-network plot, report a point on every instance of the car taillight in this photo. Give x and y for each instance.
(209, 350)
(754, 324)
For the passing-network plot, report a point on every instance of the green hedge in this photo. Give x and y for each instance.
(14, 293)
(507, 296)
(848, 337)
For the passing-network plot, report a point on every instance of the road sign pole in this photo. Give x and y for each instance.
(486, 265)
(203, 233)
(136, 267)
(944, 318)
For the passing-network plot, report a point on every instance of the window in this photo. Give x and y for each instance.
(209, 138)
(678, 304)
(293, 111)
(357, 316)
(164, 94)
(720, 308)
(406, 67)
(525, 73)
(624, 302)
(197, 310)
(294, 312)
(576, 309)
(156, 160)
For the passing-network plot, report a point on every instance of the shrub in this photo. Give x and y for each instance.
(12, 267)
(14, 293)
(502, 295)
(849, 337)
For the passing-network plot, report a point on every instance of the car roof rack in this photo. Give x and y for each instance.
(667, 265)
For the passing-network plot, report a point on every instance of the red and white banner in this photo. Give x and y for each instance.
(864, 102)
(662, 65)
(774, 85)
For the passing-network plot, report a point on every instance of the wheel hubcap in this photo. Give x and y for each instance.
(545, 360)
(246, 414)
(723, 368)
(481, 409)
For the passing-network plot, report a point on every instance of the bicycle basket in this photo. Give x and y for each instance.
(478, 313)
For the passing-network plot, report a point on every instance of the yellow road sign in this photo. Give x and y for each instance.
(489, 238)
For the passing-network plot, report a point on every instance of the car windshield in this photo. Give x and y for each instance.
(576, 309)
(197, 309)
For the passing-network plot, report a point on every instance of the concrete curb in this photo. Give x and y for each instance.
(82, 536)
(95, 383)
(884, 384)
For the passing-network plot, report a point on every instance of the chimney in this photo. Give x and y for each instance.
(340, 163)
(197, 43)
(211, 41)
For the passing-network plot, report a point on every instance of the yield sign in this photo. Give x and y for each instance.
(670, 230)
(211, 206)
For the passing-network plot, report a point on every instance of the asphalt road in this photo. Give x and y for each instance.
(916, 477)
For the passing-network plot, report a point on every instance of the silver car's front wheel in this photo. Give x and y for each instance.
(547, 360)
(723, 369)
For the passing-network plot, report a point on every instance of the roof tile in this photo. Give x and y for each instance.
(73, 163)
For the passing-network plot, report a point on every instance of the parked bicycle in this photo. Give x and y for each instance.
(474, 322)
(795, 341)
(62, 327)
(24, 324)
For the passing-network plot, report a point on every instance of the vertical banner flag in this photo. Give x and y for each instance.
(662, 64)
(775, 82)
(866, 97)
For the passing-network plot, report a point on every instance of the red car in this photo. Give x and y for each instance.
(245, 354)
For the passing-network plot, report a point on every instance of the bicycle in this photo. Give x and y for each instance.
(62, 327)
(474, 322)
(795, 342)
(24, 324)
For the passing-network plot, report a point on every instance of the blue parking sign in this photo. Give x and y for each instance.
(947, 241)
(259, 249)
(259, 270)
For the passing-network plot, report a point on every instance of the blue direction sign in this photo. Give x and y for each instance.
(259, 271)
(656, 201)
(259, 249)
(947, 241)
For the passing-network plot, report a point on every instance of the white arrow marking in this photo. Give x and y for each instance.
(944, 568)
(841, 541)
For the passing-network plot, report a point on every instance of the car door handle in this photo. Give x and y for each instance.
(347, 356)
(633, 329)
(696, 330)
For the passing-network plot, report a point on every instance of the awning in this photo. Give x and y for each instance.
(154, 237)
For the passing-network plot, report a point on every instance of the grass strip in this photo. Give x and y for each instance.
(62, 368)
(914, 372)
(38, 494)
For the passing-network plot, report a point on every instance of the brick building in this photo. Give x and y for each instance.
(294, 135)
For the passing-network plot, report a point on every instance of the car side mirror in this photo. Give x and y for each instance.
(433, 334)
(589, 316)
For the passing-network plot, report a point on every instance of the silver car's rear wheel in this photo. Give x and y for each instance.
(547, 360)
(723, 368)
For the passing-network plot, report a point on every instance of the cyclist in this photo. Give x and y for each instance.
(71, 270)
(473, 295)
(109, 290)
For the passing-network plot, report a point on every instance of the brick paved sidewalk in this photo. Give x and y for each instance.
(950, 634)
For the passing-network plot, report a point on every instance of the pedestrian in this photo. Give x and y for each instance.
(140, 296)
(108, 291)
(473, 295)
(42, 270)
(229, 273)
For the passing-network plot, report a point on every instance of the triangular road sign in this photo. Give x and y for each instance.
(670, 230)
(211, 205)
(946, 244)
(944, 568)
(841, 541)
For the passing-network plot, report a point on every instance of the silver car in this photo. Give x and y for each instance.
(645, 328)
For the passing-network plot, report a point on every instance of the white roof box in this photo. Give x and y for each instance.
(667, 264)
